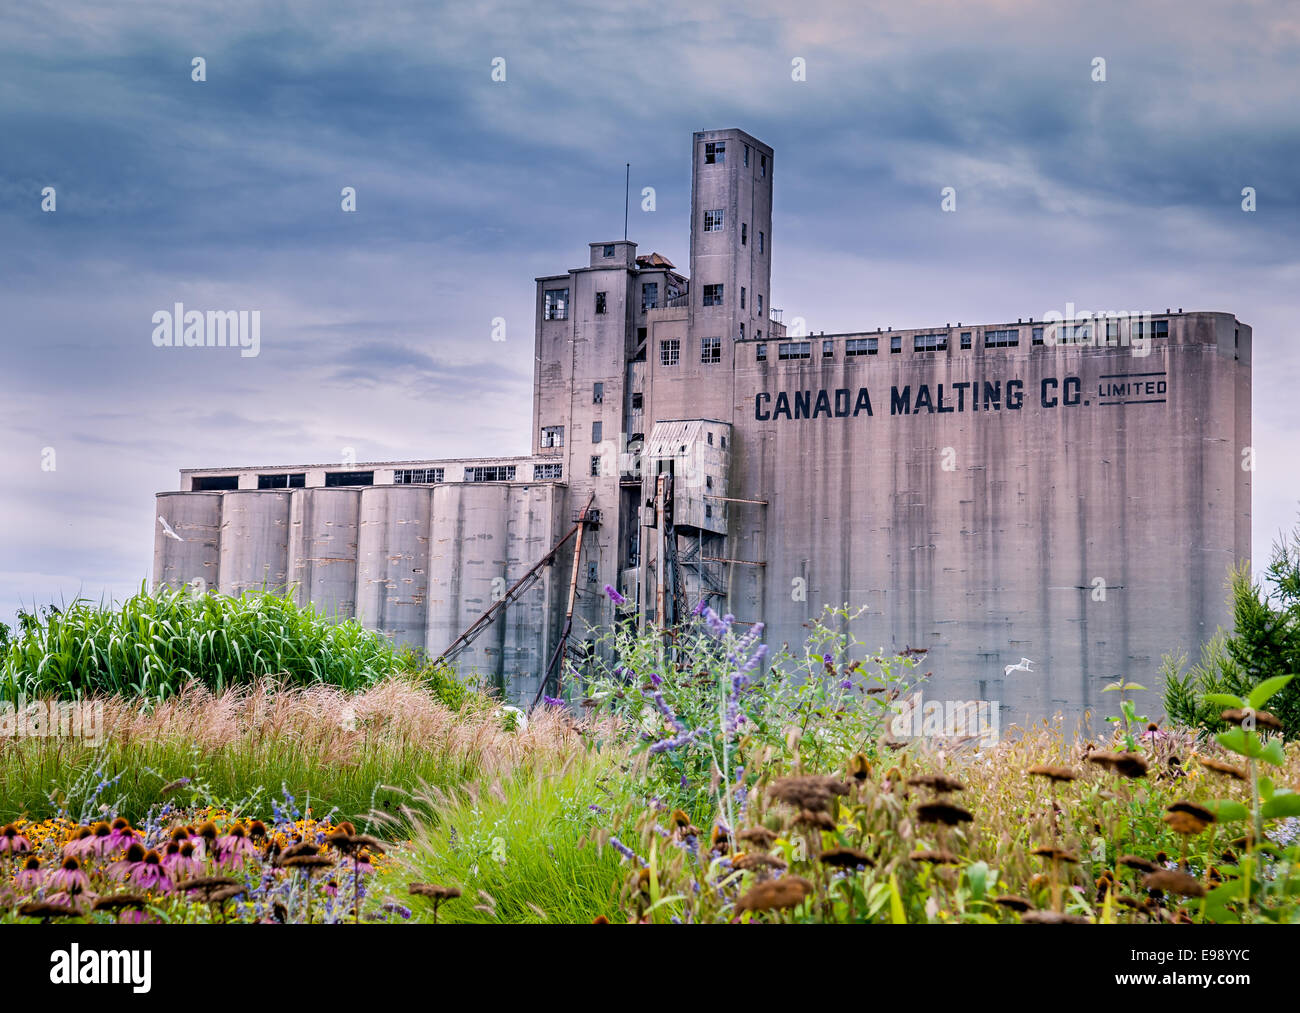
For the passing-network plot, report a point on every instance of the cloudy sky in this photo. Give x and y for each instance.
(376, 325)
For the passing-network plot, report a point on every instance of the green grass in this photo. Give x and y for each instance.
(156, 642)
(520, 850)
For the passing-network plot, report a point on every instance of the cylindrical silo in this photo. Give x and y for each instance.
(393, 561)
(536, 523)
(254, 541)
(323, 548)
(468, 560)
(193, 550)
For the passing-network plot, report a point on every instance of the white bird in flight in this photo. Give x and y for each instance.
(167, 529)
(1024, 666)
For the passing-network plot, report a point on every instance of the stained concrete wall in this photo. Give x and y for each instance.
(323, 535)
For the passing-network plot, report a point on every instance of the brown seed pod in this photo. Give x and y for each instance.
(775, 894)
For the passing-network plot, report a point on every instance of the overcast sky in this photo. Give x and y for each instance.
(1121, 195)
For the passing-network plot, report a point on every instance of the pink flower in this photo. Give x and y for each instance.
(69, 877)
(179, 861)
(12, 841)
(234, 846)
(150, 874)
(31, 875)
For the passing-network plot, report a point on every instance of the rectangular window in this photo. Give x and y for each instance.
(595, 465)
(760, 240)
(333, 478)
(746, 156)
(760, 304)
(638, 401)
(491, 473)
(710, 350)
(742, 332)
(417, 476)
(760, 352)
(1037, 335)
(895, 344)
(552, 436)
(669, 352)
(794, 350)
(1150, 328)
(929, 342)
(1112, 330)
(548, 471)
(861, 346)
(742, 297)
(600, 302)
(1069, 334)
(762, 165)
(556, 304)
(744, 233)
(598, 393)
(597, 431)
(214, 483)
(828, 349)
(758, 335)
(284, 480)
(714, 220)
(965, 339)
(1007, 338)
(650, 296)
(609, 250)
(713, 295)
(715, 152)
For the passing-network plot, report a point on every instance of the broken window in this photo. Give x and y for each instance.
(760, 352)
(555, 304)
(638, 401)
(670, 352)
(713, 295)
(715, 152)
(595, 465)
(714, 220)
(598, 393)
(744, 233)
(333, 478)
(929, 342)
(710, 350)
(861, 346)
(547, 471)
(552, 436)
(649, 296)
(600, 302)
(609, 250)
(491, 473)
(214, 483)
(1002, 338)
(794, 350)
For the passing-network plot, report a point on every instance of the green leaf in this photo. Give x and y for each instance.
(1260, 694)
(1240, 742)
(896, 913)
(1226, 810)
(1273, 753)
(977, 875)
(1224, 700)
(1134, 685)
(1266, 788)
(1281, 806)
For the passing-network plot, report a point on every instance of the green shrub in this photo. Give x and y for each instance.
(158, 641)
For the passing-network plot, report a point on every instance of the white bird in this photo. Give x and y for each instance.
(1024, 666)
(167, 529)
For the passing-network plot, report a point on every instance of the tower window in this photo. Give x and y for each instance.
(600, 302)
(597, 431)
(713, 295)
(762, 165)
(760, 304)
(744, 233)
(742, 332)
(760, 240)
(746, 156)
(670, 352)
(714, 220)
(556, 304)
(609, 250)
(638, 401)
(595, 465)
(552, 436)
(742, 297)
(649, 296)
(760, 352)
(598, 393)
(715, 152)
(710, 352)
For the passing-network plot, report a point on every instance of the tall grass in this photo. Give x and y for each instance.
(156, 642)
(521, 848)
(351, 751)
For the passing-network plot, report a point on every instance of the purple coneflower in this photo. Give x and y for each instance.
(121, 869)
(12, 841)
(69, 878)
(149, 874)
(179, 860)
(31, 874)
(234, 846)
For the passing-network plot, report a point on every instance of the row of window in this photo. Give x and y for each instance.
(401, 476)
(715, 153)
(999, 338)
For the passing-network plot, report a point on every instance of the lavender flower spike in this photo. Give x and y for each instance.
(614, 596)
